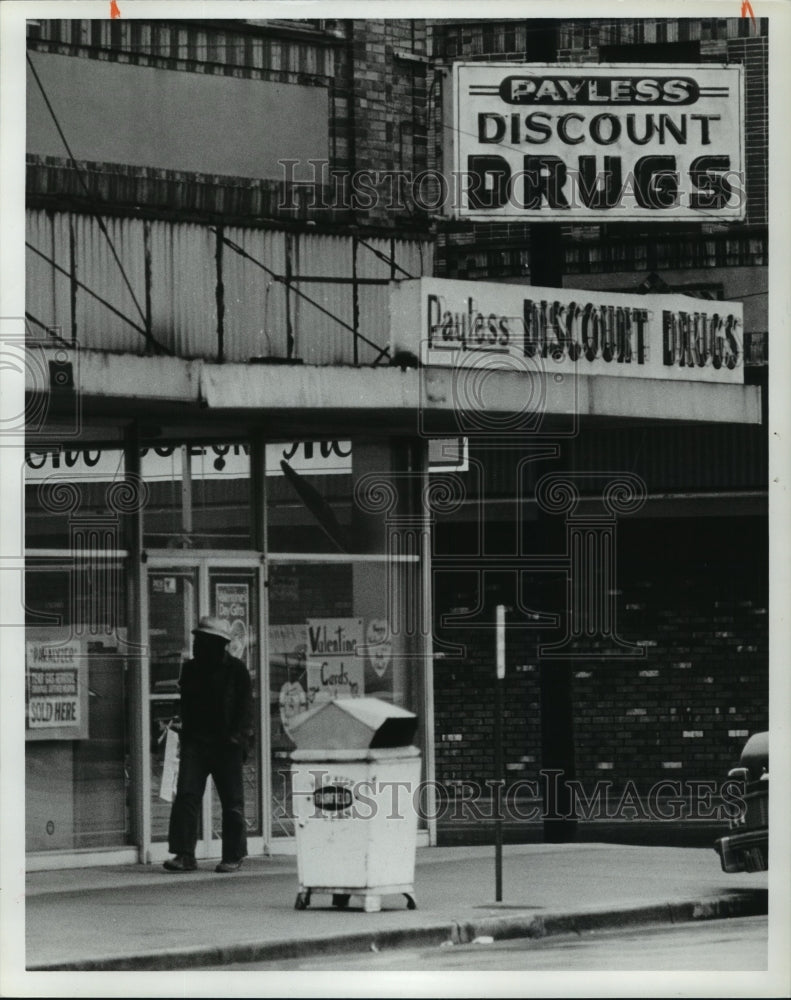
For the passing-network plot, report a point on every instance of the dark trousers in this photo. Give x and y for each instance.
(197, 760)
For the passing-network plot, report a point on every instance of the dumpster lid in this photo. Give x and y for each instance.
(353, 724)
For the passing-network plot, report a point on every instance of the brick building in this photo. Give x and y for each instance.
(226, 426)
(695, 604)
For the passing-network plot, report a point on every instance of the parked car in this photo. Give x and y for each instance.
(746, 847)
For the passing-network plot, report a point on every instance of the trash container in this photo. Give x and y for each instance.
(355, 781)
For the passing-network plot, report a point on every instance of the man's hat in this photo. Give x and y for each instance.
(217, 627)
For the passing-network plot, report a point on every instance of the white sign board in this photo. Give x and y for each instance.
(308, 458)
(335, 668)
(226, 461)
(472, 323)
(604, 142)
(56, 689)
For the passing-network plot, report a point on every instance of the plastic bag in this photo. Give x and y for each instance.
(170, 767)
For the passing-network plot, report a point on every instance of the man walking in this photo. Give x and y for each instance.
(216, 724)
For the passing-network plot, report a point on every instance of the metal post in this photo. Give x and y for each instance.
(147, 279)
(186, 493)
(137, 657)
(219, 295)
(289, 321)
(355, 303)
(498, 752)
(72, 280)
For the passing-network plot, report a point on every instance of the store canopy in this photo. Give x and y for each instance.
(427, 399)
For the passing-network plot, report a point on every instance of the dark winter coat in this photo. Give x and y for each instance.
(216, 701)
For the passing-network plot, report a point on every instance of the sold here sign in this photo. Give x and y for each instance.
(597, 143)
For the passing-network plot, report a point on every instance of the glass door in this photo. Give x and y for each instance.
(179, 592)
(173, 599)
(233, 596)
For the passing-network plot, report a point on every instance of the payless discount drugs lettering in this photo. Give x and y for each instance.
(587, 142)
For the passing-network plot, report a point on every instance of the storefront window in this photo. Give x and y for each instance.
(345, 541)
(344, 591)
(198, 496)
(70, 492)
(335, 496)
(76, 711)
(331, 634)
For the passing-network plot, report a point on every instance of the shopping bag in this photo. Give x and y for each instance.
(170, 767)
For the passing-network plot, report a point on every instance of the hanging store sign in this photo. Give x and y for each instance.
(596, 142)
(556, 330)
(221, 461)
(216, 461)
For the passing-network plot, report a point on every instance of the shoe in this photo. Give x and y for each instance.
(181, 863)
(229, 866)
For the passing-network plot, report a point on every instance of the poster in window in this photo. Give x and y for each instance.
(56, 689)
(287, 654)
(232, 601)
(335, 663)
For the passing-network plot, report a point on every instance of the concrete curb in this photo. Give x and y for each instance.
(442, 932)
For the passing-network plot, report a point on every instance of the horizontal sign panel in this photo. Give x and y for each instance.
(308, 458)
(557, 330)
(597, 142)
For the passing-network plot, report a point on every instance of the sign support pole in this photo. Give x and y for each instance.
(498, 752)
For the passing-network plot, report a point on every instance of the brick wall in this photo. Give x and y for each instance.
(685, 710)
(389, 81)
(464, 693)
(692, 594)
(753, 53)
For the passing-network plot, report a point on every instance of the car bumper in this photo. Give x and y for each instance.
(744, 852)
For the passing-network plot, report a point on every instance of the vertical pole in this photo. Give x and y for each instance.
(355, 303)
(72, 281)
(219, 293)
(147, 278)
(426, 638)
(546, 239)
(289, 323)
(258, 472)
(186, 492)
(137, 658)
(498, 751)
(547, 267)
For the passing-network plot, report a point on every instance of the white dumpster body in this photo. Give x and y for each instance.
(356, 823)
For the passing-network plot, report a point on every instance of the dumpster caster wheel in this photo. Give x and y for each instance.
(302, 901)
(341, 899)
(410, 902)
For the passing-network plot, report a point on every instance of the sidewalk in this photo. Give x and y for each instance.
(143, 918)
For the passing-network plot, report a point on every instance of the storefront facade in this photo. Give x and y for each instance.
(321, 552)
(343, 554)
